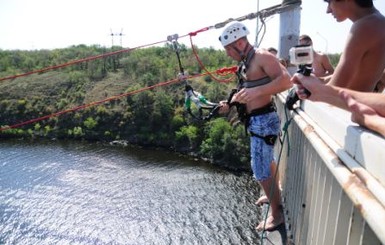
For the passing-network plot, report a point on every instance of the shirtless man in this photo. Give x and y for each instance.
(261, 77)
(321, 64)
(362, 63)
(363, 60)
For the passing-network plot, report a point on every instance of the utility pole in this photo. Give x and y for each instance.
(121, 37)
(112, 38)
(289, 28)
(117, 34)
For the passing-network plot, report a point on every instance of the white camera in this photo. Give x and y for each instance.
(301, 55)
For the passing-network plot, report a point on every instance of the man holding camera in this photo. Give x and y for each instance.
(360, 67)
(363, 60)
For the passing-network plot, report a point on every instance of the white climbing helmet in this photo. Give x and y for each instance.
(233, 31)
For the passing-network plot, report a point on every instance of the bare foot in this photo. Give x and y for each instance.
(271, 223)
(262, 200)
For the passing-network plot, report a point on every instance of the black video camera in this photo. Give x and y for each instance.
(302, 56)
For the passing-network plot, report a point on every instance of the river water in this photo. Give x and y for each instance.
(89, 193)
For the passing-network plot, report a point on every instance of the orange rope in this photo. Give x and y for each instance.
(230, 79)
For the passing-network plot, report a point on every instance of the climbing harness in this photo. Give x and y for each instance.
(192, 96)
(201, 102)
(241, 77)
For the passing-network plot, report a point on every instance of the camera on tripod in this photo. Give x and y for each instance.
(302, 56)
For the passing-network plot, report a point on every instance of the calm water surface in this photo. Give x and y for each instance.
(82, 193)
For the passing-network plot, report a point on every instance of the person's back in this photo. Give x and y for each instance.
(321, 64)
(363, 59)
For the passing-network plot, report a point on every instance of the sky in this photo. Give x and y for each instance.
(51, 24)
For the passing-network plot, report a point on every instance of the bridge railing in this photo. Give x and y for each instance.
(332, 175)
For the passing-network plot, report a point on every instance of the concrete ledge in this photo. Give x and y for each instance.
(364, 146)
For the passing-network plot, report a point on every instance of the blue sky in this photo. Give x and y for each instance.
(49, 24)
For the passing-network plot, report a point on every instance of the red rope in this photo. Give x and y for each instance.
(230, 79)
(196, 32)
(76, 62)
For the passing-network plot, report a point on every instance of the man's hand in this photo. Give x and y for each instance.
(223, 107)
(363, 114)
(241, 97)
(310, 83)
(360, 112)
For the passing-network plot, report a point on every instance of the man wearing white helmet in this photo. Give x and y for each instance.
(261, 76)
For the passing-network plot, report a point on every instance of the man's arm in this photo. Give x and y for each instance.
(331, 94)
(319, 91)
(376, 101)
(368, 109)
(363, 114)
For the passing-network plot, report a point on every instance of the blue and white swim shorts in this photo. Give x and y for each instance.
(262, 154)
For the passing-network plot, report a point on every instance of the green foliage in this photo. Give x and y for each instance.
(90, 123)
(16, 132)
(78, 131)
(187, 134)
(37, 127)
(334, 58)
(76, 77)
(225, 143)
(21, 104)
(217, 132)
(176, 122)
(30, 132)
(47, 130)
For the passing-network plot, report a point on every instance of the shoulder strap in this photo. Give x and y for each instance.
(249, 57)
(243, 66)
